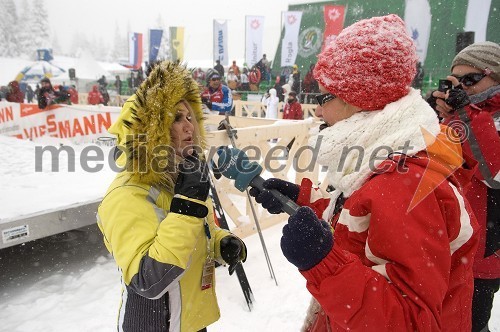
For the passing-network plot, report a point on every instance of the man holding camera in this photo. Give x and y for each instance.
(473, 102)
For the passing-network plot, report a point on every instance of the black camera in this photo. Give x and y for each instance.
(444, 85)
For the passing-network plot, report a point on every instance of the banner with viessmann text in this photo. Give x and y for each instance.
(334, 23)
(290, 43)
(254, 33)
(220, 42)
(76, 123)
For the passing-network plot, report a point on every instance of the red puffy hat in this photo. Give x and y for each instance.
(370, 64)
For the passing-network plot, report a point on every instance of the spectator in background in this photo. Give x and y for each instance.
(118, 85)
(46, 94)
(232, 79)
(102, 81)
(271, 101)
(418, 81)
(15, 95)
(235, 69)
(293, 109)
(475, 75)
(309, 86)
(199, 76)
(220, 69)
(217, 97)
(265, 68)
(95, 97)
(294, 79)
(245, 83)
(30, 94)
(73, 94)
(254, 78)
(3, 92)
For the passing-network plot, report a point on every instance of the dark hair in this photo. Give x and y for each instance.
(292, 93)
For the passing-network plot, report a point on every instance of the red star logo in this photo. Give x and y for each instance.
(291, 19)
(255, 24)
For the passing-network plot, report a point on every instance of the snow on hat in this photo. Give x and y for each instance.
(370, 64)
(481, 55)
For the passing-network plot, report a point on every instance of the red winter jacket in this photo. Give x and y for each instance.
(483, 144)
(95, 97)
(293, 111)
(391, 269)
(15, 95)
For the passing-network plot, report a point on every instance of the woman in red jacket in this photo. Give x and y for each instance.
(95, 97)
(476, 74)
(401, 256)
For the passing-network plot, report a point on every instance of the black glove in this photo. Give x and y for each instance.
(432, 101)
(457, 98)
(306, 239)
(192, 182)
(233, 250)
(267, 200)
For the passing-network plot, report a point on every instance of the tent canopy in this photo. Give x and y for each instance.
(38, 70)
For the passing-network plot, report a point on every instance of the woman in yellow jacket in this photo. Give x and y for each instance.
(156, 217)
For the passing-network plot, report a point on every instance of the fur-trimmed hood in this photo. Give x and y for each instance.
(144, 125)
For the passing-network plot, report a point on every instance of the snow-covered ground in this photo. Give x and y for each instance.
(68, 282)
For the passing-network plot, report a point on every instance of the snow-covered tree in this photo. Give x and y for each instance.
(120, 45)
(8, 26)
(24, 38)
(40, 31)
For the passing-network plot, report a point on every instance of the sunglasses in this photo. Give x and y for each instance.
(325, 98)
(215, 79)
(470, 79)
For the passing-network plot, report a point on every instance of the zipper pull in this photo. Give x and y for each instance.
(207, 230)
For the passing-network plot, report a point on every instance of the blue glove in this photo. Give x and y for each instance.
(306, 239)
(267, 200)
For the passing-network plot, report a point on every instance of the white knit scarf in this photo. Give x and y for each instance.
(376, 133)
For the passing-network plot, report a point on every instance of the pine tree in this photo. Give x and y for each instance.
(40, 26)
(8, 26)
(120, 45)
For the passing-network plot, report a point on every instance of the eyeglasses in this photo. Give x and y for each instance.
(470, 79)
(215, 79)
(325, 98)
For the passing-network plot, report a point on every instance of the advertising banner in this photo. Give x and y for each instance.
(254, 32)
(220, 42)
(290, 41)
(79, 124)
(418, 23)
(334, 23)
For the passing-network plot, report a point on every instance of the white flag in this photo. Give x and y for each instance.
(290, 45)
(253, 39)
(220, 42)
(418, 23)
(476, 18)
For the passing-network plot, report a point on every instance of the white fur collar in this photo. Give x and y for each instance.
(376, 133)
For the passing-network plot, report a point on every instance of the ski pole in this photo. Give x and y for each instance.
(231, 133)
